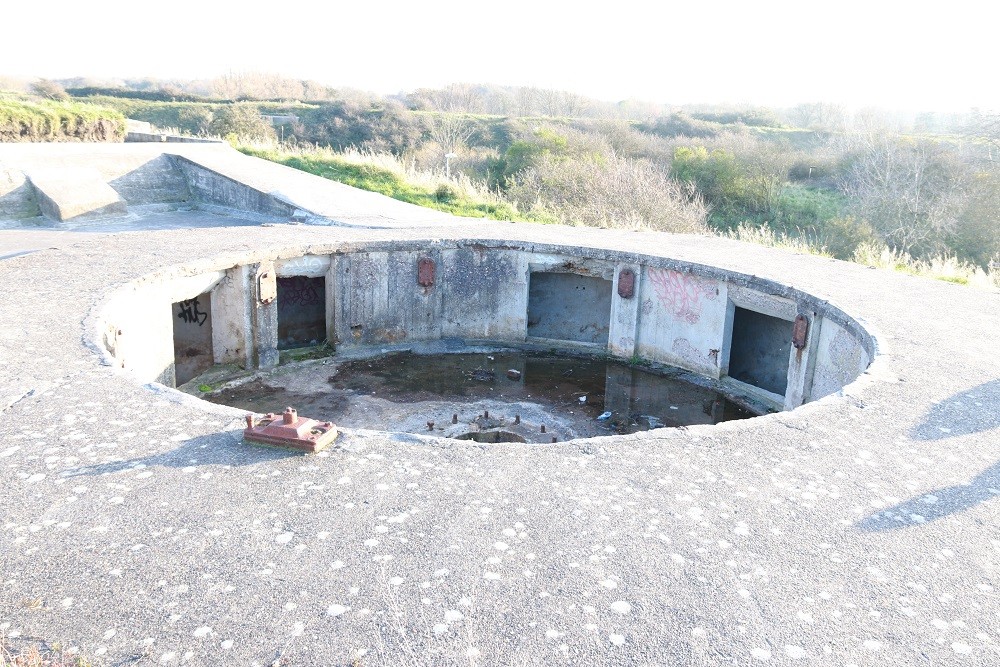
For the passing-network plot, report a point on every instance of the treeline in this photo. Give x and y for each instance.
(863, 185)
(517, 101)
(921, 184)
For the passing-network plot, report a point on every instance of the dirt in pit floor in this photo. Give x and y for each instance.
(594, 396)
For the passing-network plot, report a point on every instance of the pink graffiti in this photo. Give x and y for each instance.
(682, 293)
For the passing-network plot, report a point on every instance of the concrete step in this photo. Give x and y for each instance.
(75, 193)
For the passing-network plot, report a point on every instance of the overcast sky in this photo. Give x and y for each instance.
(894, 55)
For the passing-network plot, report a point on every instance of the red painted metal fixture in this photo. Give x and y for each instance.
(800, 331)
(289, 431)
(425, 272)
(626, 283)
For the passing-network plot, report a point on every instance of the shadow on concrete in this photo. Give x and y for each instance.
(221, 449)
(937, 504)
(972, 411)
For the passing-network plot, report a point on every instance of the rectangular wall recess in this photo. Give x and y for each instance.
(301, 312)
(568, 306)
(761, 345)
(192, 337)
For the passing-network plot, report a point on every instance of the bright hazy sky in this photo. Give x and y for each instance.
(895, 55)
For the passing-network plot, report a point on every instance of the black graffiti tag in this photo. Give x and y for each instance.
(190, 313)
(299, 291)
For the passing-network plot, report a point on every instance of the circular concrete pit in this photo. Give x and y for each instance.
(858, 524)
(769, 347)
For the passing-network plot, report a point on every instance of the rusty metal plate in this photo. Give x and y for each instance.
(626, 283)
(289, 431)
(425, 272)
(267, 284)
(800, 332)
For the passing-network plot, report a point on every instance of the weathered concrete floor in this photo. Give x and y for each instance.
(863, 529)
(25, 236)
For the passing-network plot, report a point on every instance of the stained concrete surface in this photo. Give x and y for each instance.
(468, 391)
(860, 529)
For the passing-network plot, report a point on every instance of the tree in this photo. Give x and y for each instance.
(984, 127)
(764, 167)
(49, 89)
(451, 131)
(977, 234)
(818, 116)
(911, 191)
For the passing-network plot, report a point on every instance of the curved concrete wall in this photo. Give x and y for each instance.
(723, 325)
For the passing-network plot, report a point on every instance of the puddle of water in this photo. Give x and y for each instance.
(575, 397)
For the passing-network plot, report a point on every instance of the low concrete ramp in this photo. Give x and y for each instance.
(284, 188)
(81, 181)
(75, 193)
(17, 198)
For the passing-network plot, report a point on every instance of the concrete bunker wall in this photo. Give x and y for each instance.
(728, 327)
(76, 182)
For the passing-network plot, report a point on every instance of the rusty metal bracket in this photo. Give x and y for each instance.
(425, 272)
(290, 431)
(267, 283)
(800, 332)
(626, 283)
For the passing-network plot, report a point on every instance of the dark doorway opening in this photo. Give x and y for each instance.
(301, 312)
(760, 350)
(192, 337)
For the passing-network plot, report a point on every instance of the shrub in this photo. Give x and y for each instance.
(679, 124)
(446, 193)
(242, 121)
(715, 174)
(616, 192)
(376, 126)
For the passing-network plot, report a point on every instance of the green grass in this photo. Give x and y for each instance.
(48, 120)
(189, 117)
(941, 267)
(305, 353)
(386, 175)
(766, 236)
(949, 269)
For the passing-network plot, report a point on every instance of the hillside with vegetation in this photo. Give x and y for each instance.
(916, 192)
(39, 117)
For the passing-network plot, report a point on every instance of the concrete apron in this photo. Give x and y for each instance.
(859, 528)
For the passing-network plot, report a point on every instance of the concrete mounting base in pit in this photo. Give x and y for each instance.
(862, 528)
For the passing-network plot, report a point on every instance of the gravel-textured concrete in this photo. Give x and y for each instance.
(861, 529)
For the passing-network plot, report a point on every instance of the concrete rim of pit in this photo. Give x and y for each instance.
(866, 334)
